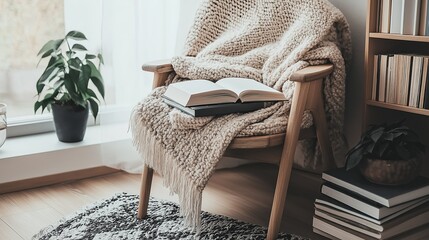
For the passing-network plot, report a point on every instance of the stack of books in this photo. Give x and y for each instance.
(200, 98)
(350, 207)
(401, 79)
(407, 17)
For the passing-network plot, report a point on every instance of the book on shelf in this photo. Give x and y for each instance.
(410, 17)
(400, 79)
(403, 70)
(392, 79)
(396, 16)
(424, 89)
(217, 109)
(384, 195)
(424, 19)
(226, 90)
(332, 230)
(375, 78)
(382, 78)
(384, 12)
(415, 81)
(334, 207)
(378, 16)
(406, 17)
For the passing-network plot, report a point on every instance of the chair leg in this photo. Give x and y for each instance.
(146, 183)
(286, 162)
(315, 104)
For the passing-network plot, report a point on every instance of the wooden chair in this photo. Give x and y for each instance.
(307, 96)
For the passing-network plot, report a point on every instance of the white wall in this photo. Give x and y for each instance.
(355, 12)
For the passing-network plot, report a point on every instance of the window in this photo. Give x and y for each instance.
(127, 33)
(24, 28)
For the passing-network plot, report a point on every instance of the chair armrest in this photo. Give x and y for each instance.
(312, 73)
(160, 66)
(161, 70)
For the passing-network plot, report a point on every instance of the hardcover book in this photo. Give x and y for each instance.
(386, 7)
(394, 227)
(410, 17)
(337, 208)
(396, 16)
(217, 109)
(403, 74)
(415, 81)
(392, 79)
(227, 90)
(388, 196)
(338, 231)
(362, 204)
(375, 77)
(424, 85)
(424, 19)
(382, 78)
(335, 231)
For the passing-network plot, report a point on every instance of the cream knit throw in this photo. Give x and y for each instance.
(266, 40)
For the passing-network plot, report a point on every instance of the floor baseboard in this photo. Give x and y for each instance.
(55, 179)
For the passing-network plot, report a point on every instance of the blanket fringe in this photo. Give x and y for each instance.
(156, 157)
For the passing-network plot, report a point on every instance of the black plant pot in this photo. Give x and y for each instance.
(70, 122)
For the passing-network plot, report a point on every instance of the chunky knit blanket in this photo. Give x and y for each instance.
(266, 40)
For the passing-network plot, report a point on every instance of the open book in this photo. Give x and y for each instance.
(217, 109)
(226, 90)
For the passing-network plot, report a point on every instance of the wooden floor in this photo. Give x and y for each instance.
(243, 193)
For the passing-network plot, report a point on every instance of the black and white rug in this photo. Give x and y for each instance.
(115, 218)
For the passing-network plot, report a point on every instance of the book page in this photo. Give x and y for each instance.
(199, 92)
(251, 90)
(197, 86)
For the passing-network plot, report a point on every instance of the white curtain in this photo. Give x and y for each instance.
(135, 32)
(130, 33)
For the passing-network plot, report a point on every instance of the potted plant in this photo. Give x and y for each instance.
(64, 85)
(387, 154)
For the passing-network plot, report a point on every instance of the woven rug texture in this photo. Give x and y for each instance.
(115, 218)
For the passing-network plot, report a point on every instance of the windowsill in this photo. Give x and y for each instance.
(48, 142)
(33, 156)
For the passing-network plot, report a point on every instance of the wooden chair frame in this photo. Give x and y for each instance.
(308, 95)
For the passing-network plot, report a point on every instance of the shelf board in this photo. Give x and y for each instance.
(397, 107)
(399, 37)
